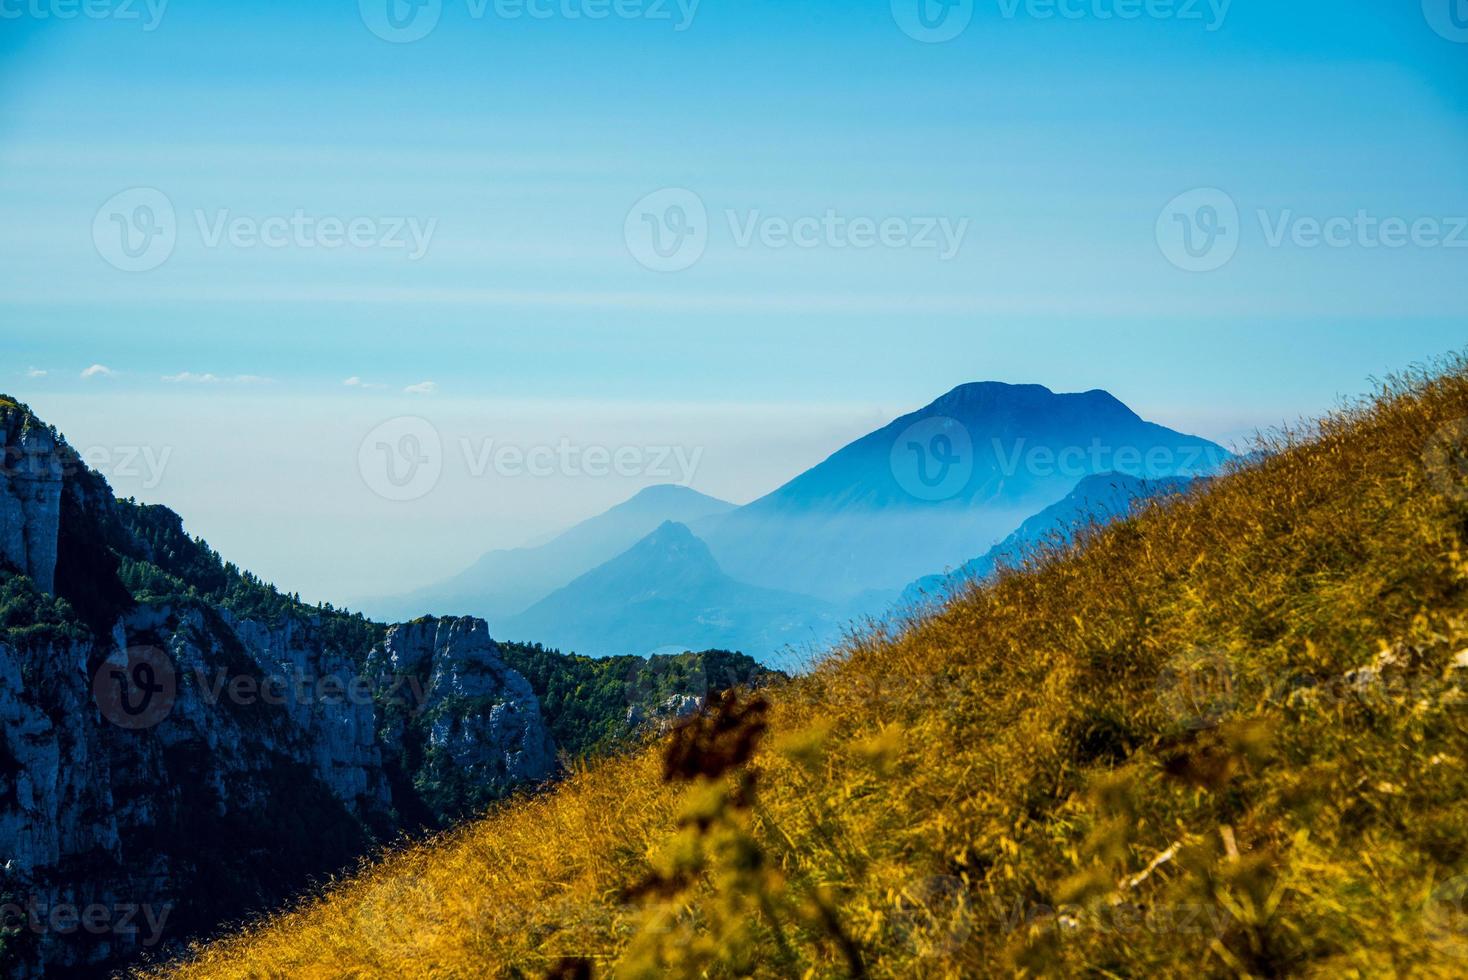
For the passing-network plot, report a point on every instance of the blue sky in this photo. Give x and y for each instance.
(520, 149)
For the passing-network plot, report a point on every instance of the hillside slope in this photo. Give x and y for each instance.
(1096, 500)
(1225, 738)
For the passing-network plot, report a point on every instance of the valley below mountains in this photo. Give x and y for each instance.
(184, 741)
(181, 738)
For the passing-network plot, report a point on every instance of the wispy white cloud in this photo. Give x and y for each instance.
(190, 378)
(99, 371)
(422, 388)
(356, 382)
(35, 373)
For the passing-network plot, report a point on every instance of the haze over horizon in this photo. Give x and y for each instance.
(502, 164)
(314, 526)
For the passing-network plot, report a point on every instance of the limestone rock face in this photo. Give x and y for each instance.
(330, 705)
(267, 733)
(30, 496)
(477, 721)
(172, 758)
(101, 809)
(666, 714)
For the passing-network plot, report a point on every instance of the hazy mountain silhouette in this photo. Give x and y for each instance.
(939, 485)
(926, 492)
(668, 592)
(505, 582)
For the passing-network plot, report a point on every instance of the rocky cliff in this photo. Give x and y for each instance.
(30, 495)
(182, 745)
(466, 726)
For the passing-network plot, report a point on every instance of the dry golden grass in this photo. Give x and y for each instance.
(1144, 757)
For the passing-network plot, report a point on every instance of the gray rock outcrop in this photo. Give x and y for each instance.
(478, 722)
(168, 764)
(30, 495)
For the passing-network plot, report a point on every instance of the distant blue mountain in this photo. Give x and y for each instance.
(938, 485)
(668, 593)
(1096, 500)
(502, 583)
(671, 568)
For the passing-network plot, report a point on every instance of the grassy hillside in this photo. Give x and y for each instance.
(1225, 737)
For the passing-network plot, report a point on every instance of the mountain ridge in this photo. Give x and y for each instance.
(866, 514)
(507, 581)
(1094, 502)
(667, 592)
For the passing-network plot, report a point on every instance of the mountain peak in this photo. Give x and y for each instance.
(969, 388)
(663, 494)
(956, 474)
(983, 397)
(668, 592)
(503, 583)
(987, 393)
(669, 535)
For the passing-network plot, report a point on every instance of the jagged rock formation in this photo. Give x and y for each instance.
(474, 724)
(669, 712)
(181, 808)
(181, 745)
(30, 494)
